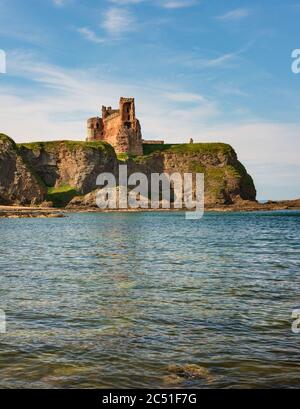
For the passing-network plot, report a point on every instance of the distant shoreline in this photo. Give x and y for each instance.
(44, 212)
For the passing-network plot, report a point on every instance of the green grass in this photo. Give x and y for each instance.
(37, 177)
(239, 171)
(53, 146)
(62, 195)
(148, 149)
(187, 148)
(124, 157)
(4, 137)
(196, 167)
(215, 182)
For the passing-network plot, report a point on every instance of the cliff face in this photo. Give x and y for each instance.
(67, 163)
(60, 170)
(18, 184)
(226, 179)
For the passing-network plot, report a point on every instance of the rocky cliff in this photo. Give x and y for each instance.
(18, 182)
(226, 179)
(68, 168)
(68, 163)
(57, 171)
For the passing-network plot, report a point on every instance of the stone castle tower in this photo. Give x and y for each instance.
(118, 127)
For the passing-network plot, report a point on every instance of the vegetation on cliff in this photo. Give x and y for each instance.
(53, 146)
(61, 196)
(5, 138)
(187, 148)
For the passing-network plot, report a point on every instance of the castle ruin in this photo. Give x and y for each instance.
(119, 127)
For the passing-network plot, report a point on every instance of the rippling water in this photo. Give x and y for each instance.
(118, 300)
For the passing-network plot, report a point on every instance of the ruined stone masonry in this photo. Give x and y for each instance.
(118, 127)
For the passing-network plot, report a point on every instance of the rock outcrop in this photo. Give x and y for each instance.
(226, 179)
(18, 183)
(68, 163)
(63, 172)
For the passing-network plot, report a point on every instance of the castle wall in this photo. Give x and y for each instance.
(112, 127)
(95, 129)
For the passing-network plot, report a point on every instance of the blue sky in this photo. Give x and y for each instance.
(209, 69)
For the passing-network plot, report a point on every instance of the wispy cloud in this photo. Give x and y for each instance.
(217, 62)
(168, 4)
(118, 21)
(126, 2)
(226, 60)
(58, 3)
(62, 3)
(198, 63)
(229, 88)
(91, 35)
(178, 4)
(185, 97)
(236, 14)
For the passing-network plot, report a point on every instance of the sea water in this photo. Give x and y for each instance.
(138, 299)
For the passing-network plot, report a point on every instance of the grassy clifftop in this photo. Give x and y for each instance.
(53, 146)
(6, 138)
(148, 149)
(188, 148)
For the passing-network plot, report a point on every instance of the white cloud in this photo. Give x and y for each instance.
(216, 62)
(236, 14)
(229, 88)
(192, 60)
(61, 3)
(198, 63)
(125, 2)
(168, 4)
(58, 2)
(178, 4)
(91, 35)
(118, 21)
(185, 97)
